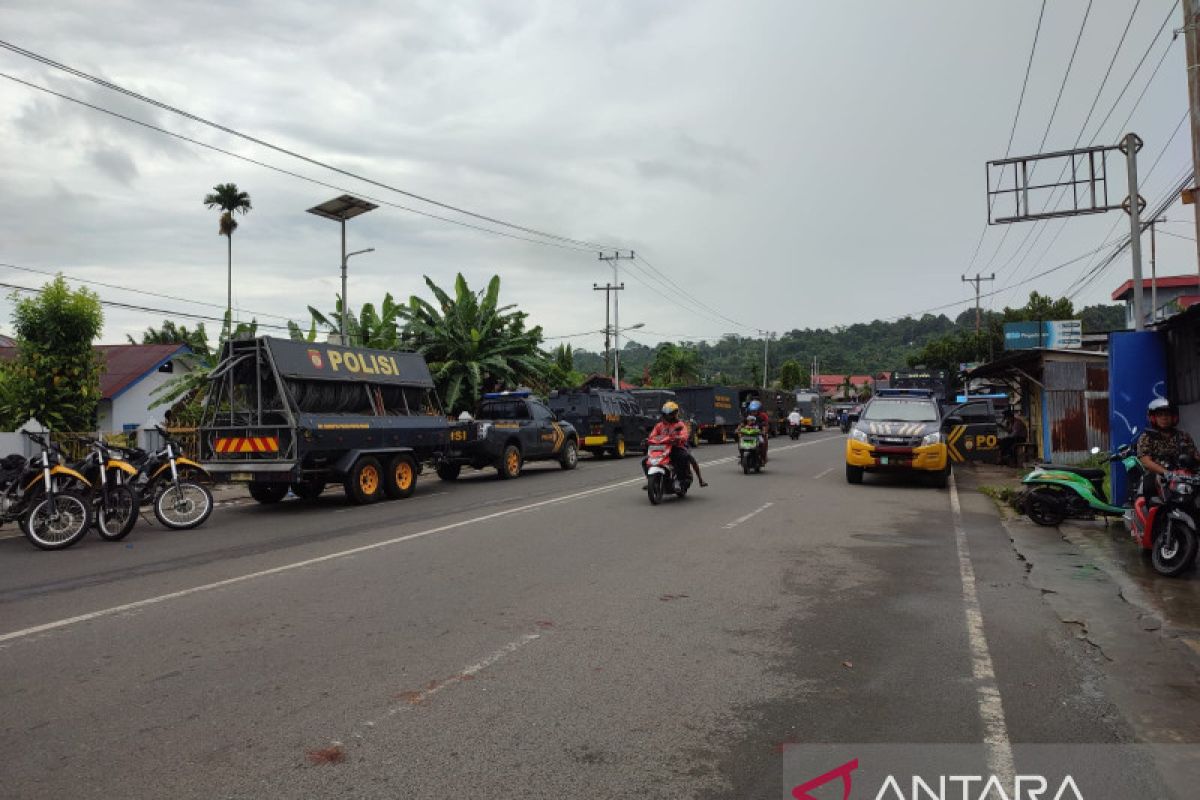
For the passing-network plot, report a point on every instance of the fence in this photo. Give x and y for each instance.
(74, 444)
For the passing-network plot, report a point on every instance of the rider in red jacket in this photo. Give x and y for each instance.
(674, 430)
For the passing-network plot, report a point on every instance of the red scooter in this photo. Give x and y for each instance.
(661, 476)
(1165, 524)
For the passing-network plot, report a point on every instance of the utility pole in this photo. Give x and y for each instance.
(978, 279)
(1133, 206)
(608, 289)
(615, 260)
(1191, 18)
(1153, 273)
(766, 342)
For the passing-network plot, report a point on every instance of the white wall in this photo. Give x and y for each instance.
(133, 406)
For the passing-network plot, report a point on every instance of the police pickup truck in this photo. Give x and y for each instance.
(900, 430)
(511, 428)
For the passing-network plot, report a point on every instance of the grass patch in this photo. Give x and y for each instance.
(1002, 495)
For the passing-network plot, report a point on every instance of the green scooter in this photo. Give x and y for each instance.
(1056, 492)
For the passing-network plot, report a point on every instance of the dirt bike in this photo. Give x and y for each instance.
(661, 476)
(114, 503)
(170, 483)
(46, 498)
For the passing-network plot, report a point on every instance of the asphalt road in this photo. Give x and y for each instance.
(550, 637)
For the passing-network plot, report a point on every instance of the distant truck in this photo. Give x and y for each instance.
(283, 414)
(778, 404)
(812, 410)
(510, 430)
(714, 408)
(652, 401)
(608, 423)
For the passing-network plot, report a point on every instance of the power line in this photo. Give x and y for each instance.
(690, 296)
(290, 173)
(1025, 83)
(294, 154)
(1086, 12)
(146, 292)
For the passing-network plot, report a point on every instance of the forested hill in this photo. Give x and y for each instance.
(853, 349)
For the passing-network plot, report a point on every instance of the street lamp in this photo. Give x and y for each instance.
(341, 209)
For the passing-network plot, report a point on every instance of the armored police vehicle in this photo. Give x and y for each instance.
(714, 408)
(286, 414)
(510, 429)
(608, 422)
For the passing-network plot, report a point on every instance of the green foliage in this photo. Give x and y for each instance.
(561, 373)
(791, 376)
(379, 329)
(185, 393)
(1103, 318)
(56, 375)
(472, 344)
(170, 333)
(674, 365)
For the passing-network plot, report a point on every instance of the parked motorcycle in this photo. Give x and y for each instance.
(114, 504)
(172, 484)
(47, 499)
(750, 449)
(1165, 525)
(1056, 492)
(661, 476)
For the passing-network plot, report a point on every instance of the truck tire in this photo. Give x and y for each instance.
(449, 472)
(364, 483)
(854, 474)
(401, 478)
(619, 450)
(268, 493)
(308, 490)
(509, 465)
(570, 455)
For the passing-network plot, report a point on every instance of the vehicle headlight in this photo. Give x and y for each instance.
(932, 438)
(858, 435)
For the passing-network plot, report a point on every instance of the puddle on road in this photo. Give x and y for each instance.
(1177, 600)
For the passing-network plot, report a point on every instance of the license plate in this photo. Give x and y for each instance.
(882, 460)
(242, 477)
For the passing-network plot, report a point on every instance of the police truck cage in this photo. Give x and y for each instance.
(303, 413)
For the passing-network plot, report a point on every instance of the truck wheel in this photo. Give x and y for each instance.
(854, 474)
(570, 454)
(364, 484)
(449, 472)
(401, 480)
(308, 490)
(268, 493)
(619, 450)
(509, 465)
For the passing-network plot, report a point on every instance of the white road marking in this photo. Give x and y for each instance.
(823, 473)
(753, 513)
(308, 562)
(409, 699)
(991, 708)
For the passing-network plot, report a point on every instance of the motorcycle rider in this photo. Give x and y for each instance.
(764, 426)
(1161, 444)
(794, 419)
(676, 432)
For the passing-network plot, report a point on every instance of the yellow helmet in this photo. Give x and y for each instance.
(670, 407)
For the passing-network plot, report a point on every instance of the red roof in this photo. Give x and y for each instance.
(124, 364)
(1166, 282)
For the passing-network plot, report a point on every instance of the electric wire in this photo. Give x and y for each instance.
(1074, 50)
(47, 61)
(290, 173)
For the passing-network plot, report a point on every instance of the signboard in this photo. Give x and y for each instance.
(1056, 335)
(332, 362)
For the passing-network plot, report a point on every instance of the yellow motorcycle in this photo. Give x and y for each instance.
(48, 500)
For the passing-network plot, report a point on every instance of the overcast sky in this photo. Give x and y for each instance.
(791, 164)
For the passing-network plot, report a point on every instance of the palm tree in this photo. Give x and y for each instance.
(675, 366)
(226, 197)
(170, 333)
(471, 343)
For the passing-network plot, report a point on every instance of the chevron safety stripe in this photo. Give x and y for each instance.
(247, 444)
(952, 440)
